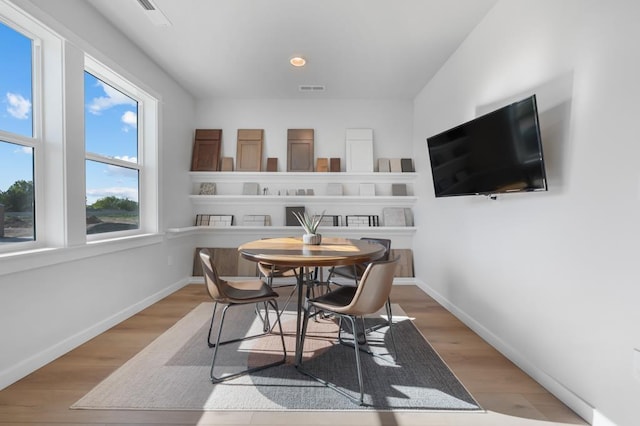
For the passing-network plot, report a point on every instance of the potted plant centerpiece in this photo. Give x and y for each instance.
(310, 225)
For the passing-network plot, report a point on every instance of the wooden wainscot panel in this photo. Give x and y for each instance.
(405, 263)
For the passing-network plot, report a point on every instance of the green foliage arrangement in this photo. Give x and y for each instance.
(309, 223)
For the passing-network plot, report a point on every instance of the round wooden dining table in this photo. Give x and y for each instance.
(292, 252)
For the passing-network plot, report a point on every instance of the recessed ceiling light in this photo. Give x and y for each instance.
(297, 61)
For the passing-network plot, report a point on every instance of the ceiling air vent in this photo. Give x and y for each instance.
(146, 5)
(154, 14)
(311, 88)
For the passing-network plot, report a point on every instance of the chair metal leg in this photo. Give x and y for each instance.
(213, 316)
(218, 343)
(300, 367)
(358, 367)
(390, 322)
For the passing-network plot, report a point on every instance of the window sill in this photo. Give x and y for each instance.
(38, 258)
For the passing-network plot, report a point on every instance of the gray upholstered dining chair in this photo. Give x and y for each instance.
(350, 302)
(234, 293)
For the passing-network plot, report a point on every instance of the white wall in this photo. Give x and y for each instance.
(52, 301)
(551, 278)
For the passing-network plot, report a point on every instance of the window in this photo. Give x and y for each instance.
(56, 189)
(17, 138)
(113, 168)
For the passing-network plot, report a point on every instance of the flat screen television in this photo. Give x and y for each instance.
(495, 153)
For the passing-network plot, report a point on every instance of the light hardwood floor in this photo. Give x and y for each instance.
(508, 395)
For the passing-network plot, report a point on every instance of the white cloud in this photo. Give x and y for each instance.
(113, 98)
(19, 107)
(127, 158)
(129, 118)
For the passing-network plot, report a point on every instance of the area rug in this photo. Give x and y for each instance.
(172, 373)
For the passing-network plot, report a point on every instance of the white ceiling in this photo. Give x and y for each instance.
(360, 49)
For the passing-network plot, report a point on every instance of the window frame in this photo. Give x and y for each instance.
(147, 123)
(29, 29)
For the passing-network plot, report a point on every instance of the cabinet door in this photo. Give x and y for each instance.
(300, 150)
(249, 150)
(206, 150)
(359, 149)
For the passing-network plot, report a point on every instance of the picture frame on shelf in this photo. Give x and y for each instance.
(290, 217)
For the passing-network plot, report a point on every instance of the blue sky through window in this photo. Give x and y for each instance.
(111, 120)
(16, 105)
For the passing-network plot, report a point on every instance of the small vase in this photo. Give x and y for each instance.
(313, 239)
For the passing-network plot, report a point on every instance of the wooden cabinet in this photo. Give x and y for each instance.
(206, 150)
(249, 150)
(300, 150)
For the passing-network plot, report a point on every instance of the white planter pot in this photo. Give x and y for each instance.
(313, 239)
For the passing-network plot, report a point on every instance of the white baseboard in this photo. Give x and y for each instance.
(32, 363)
(570, 399)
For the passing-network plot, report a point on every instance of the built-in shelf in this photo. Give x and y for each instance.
(292, 230)
(228, 201)
(269, 177)
(306, 199)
